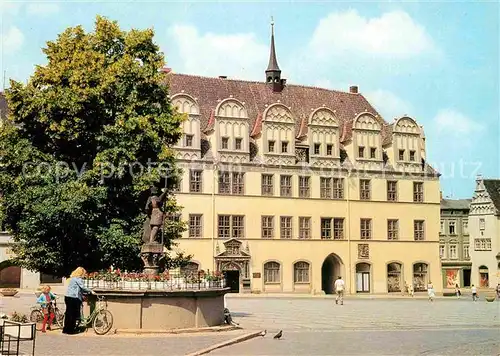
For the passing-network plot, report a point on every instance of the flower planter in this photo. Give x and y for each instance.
(8, 292)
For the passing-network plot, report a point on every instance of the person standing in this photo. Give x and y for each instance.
(74, 300)
(457, 291)
(498, 291)
(430, 291)
(339, 289)
(473, 289)
(45, 300)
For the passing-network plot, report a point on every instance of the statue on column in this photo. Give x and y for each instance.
(155, 215)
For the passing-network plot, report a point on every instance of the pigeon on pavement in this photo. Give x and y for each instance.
(278, 335)
(263, 333)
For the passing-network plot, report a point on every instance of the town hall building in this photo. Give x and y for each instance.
(286, 187)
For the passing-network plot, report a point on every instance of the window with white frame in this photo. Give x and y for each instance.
(453, 252)
(272, 272)
(441, 251)
(301, 272)
(452, 229)
(466, 252)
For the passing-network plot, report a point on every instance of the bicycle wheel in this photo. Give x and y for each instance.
(103, 322)
(36, 317)
(59, 318)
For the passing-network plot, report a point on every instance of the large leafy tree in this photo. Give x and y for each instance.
(86, 137)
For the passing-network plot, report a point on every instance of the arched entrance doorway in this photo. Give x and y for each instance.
(10, 275)
(362, 278)
(394, 282)
(420, 277)
(330, 271)
(484, 278)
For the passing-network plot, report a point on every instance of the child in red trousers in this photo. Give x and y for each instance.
(45, 300)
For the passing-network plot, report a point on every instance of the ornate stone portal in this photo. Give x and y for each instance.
(235, 259)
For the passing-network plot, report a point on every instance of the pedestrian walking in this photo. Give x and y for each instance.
(430, 291)
(339, 289)
(457, 291)
(410, 289)
(475, 296)
(74, 299)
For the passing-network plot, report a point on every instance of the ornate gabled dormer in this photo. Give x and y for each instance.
(189, 146)
(277, 138)
(407, 145)
(482, 203)
(366, 146)
(323, 138)
(230, 141)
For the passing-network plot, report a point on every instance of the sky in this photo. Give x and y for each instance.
(437, 62)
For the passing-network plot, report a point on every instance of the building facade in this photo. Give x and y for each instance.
(454, 245)
(484, 229)
(287, 187)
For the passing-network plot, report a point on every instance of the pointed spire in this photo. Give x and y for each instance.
(273, 63)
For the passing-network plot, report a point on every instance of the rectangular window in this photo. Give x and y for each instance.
(325, 186)
(366, 229)
(267, 184)
(441, 231)
(441, 251)
(188, 140)
(195, 182)
(329, 150)
(286, 227)
(373, 152)
(267, 227)
(326, 228)
(284, 147)
(238, 183)
(453, 252)
(364, 189)
(338, 228)
(286, 186)
(272, 272)
(392, 191)
(418, 192)
(465, 227)
(238, 226)
(195, 225)
(338, 188)
(481, 224)
(392, 229)
(317, 148)
(224, 183)
(304, 187)
(224, 226)
(304, 227)
(452, 227)
(270, 146)
(301, 272)
(466, 252)
(361, 152)
(401, 155)
(238, 143)
(412, 156)
(225, 143)
(418, 230)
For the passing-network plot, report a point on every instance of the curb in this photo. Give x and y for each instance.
(236, 340)
(178, 331)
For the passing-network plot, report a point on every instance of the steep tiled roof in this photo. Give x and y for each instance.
(455, 204)
(256, 95)
(3, 106)
(493, 188)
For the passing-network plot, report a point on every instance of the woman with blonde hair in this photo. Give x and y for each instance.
(45, 300)
(74, 300)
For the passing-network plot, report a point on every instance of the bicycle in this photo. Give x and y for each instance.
(36, 315)
(100, 318)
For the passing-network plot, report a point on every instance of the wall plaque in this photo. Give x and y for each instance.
(256, 275)
(363, 251)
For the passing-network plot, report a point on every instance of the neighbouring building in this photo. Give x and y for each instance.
(285, 187)
(484, 230)
(454, 245)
